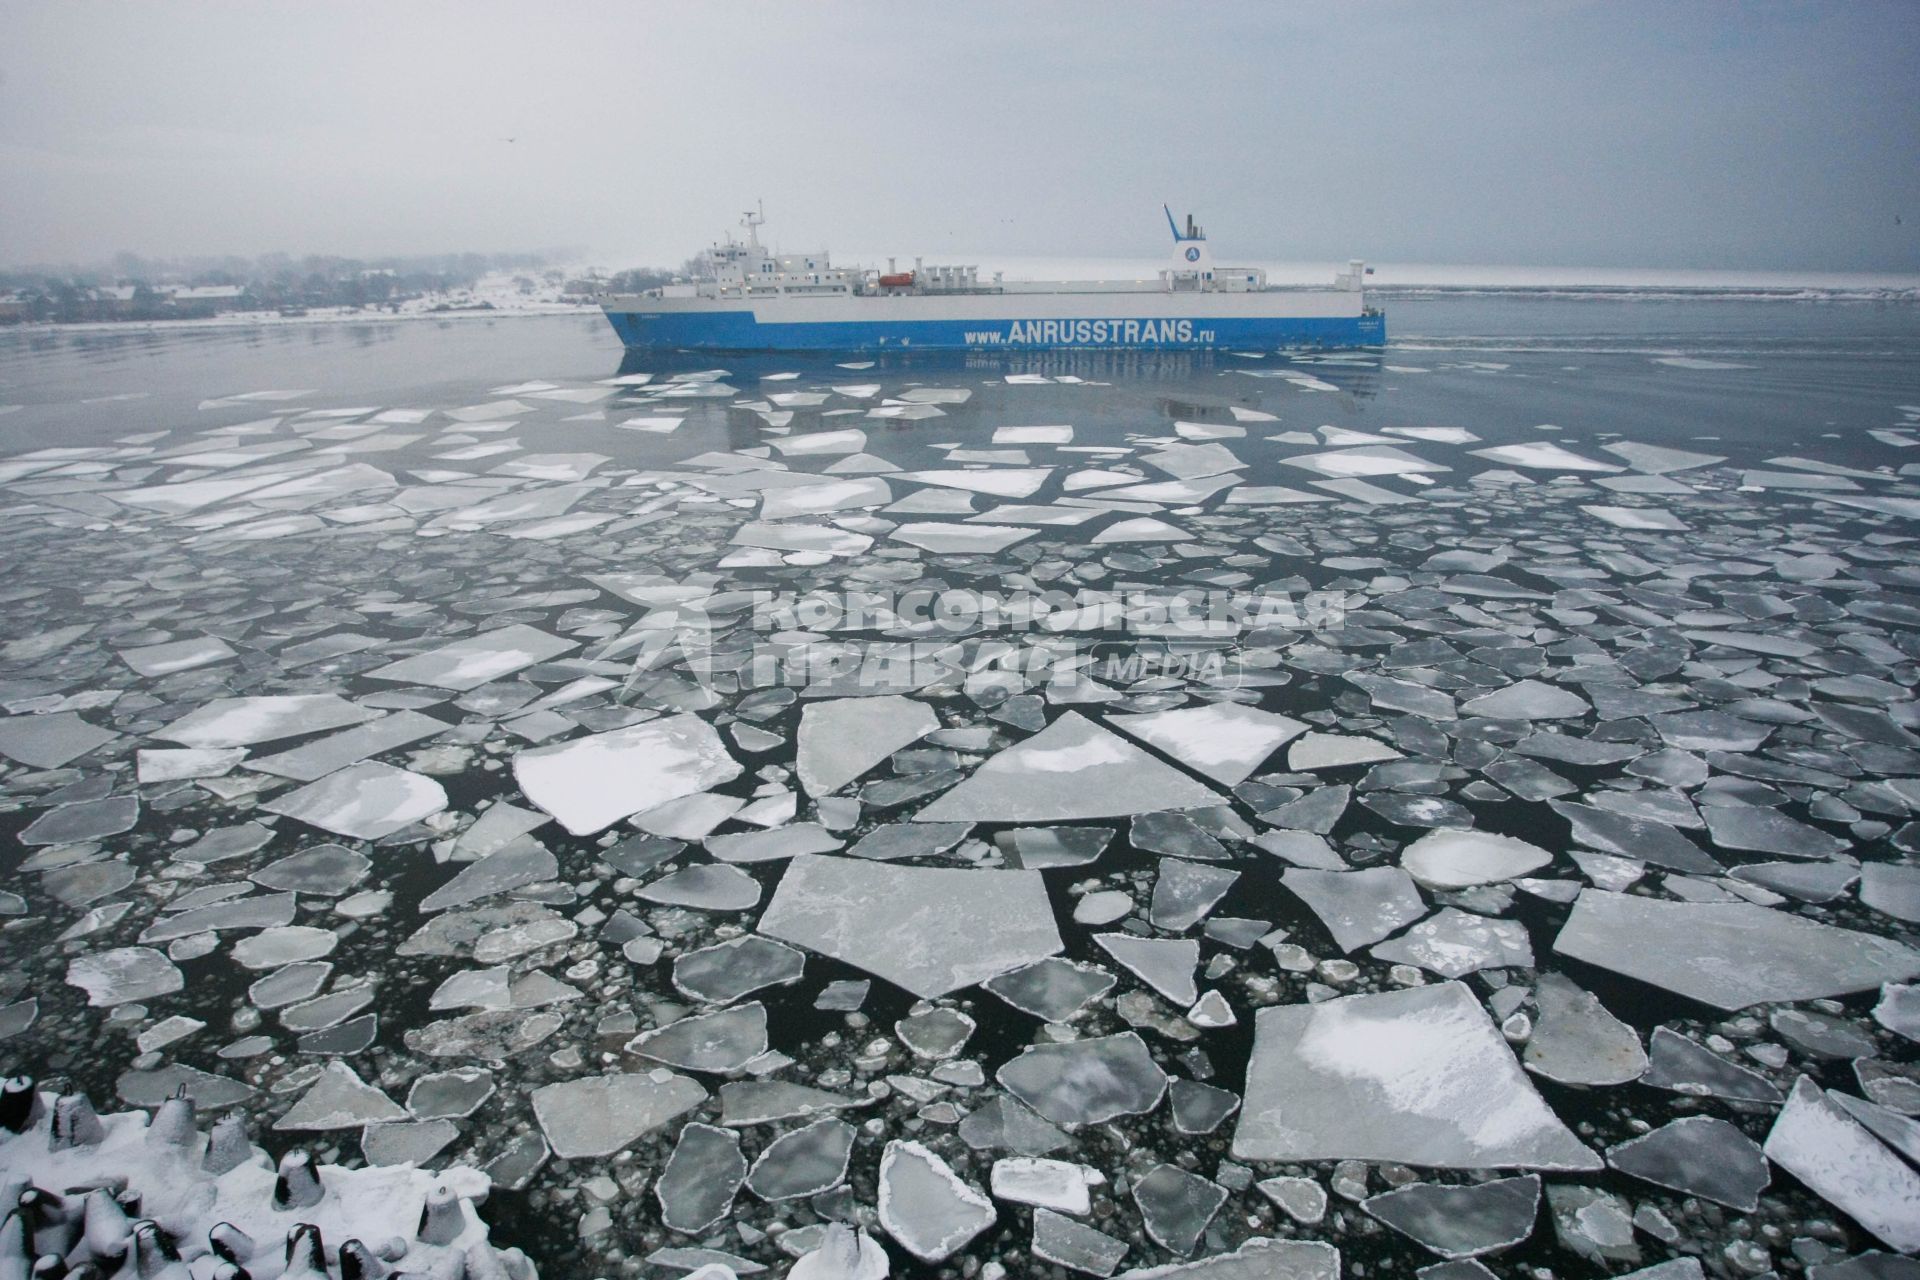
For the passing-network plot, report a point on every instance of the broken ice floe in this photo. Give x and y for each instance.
(1461, 1222)
(1828, 1150)
(1088, 1081)
(701, 1178)
(803, 1162)
(588, 783)
(1576, 1040)
(1728, 954)
(1462, 859)
(925, 1206)
(1420, 1076)
(1639, 714)
(930, 930)
(1227, 741)
(366, 801)
(598, 1115)
(842, 738)
(127, 973)
(240, 722)
(1071, 769)
(1698, 1155)
(1358, 907)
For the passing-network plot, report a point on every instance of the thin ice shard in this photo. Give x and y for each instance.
(472, 661)
(804, 1162)
(339, 1099)
(1053, 990)
(925, 1206)
(1336, 751)
(122, 975)
(842, 738)
(176, 655)
(1461, 859)
(1358, 907)
(1001, 482)
(705, 1172)
(1461, 1222)
(241, 722)
(314, 760)
(722, 1041)
(1728, 954)
(961, 539)
(1577, 1041)
(598, 1115)
(1086, 1081)
(365, 801)
(1852, 1170)
(1454, 943)
(931, 930)
(1226, 741)
(1071, 769)
(1542, 456)
(819, 499)
(590, 783)
(1698, 1156)
(521, 863)
(1167, 965)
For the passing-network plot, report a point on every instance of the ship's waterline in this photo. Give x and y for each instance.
(744, 330)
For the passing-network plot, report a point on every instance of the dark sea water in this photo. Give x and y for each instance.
(1816, 367)
(1516, 570)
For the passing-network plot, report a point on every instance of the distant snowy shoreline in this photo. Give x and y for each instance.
(273, 319)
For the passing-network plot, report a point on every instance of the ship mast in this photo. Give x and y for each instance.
(753, 220)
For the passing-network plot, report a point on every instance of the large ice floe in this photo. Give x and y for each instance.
(1420, 1077)
(1728, 954)
(873, 817)
(929, 930)
(592, 782)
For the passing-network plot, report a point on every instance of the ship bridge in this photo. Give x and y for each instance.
(732, 269)
(1193, 270)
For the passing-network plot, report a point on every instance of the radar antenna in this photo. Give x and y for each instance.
(753, 220)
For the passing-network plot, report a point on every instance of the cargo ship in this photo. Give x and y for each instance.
(742, 296)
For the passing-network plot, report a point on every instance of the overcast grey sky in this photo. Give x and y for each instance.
(1557, 132)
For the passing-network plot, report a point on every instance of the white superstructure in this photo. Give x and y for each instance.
(744, 296)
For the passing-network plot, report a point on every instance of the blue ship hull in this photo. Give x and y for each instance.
(738, 330)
